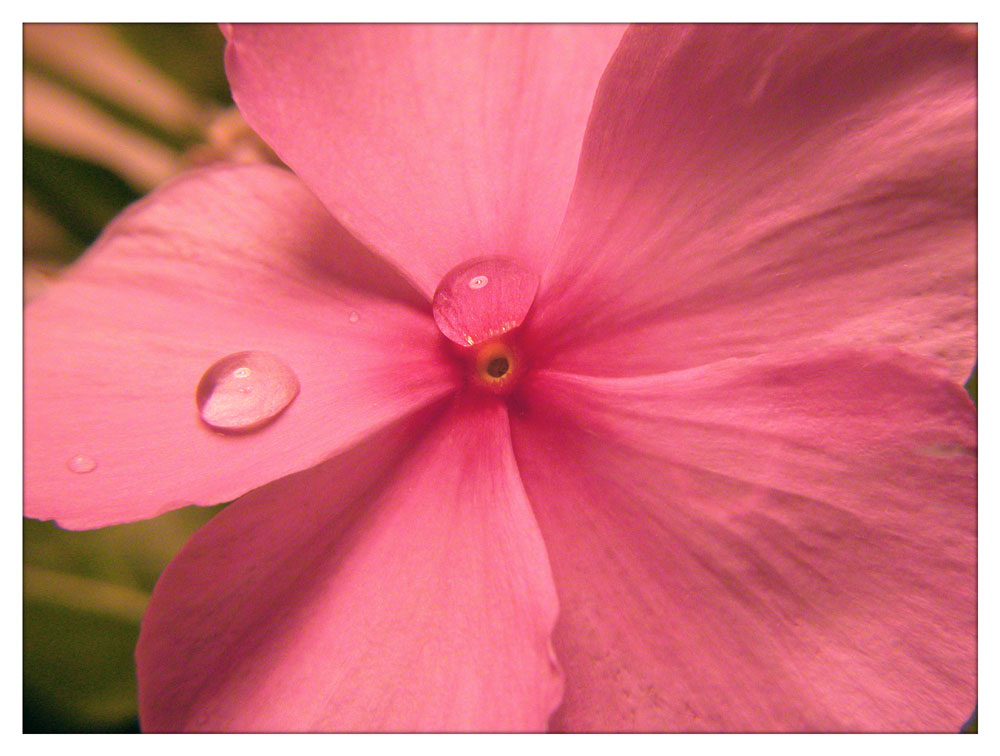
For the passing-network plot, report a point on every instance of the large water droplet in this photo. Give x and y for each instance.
(245, 391)
(81, 463)
(483, 298)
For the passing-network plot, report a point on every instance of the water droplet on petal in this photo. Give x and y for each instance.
(245, 391)
(354, 317)
(81, 464)
(484, 298)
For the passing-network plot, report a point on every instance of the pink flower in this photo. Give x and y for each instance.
(721, 476)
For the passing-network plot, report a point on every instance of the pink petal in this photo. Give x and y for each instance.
(365, 594)
(744, 188)
(435, 144)
(223, 260)
(760, 545)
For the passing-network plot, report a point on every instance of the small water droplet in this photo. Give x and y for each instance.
(245, 391)
(81, 464)
(354, 317)
(469, 312)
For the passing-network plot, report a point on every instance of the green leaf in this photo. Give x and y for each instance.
(122, 115)
(79, 640)
(972, 385)
(972, 726)
(189, 53)
(81, 196)
(84, 596)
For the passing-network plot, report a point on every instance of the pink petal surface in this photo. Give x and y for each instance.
(760, 545)
(224, 260)
(743, 189)
(363, 595)
(434, 144)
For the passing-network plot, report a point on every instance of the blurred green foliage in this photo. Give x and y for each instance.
(972, 726)
(189, 53)
(84, 595)
(80, 196)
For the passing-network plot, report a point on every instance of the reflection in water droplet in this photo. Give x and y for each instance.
(245, 391)
(484, 298)
(81, 464)
(354, 317)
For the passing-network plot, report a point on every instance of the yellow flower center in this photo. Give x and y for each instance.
(496, 366)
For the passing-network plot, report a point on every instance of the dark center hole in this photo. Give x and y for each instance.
(498, 367)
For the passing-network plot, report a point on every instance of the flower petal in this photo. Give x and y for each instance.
(760, 545)
(363, 595)
(434, 144)
(221, 261)
(743, 187)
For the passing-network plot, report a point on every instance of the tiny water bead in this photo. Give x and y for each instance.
(245, 391)
(80, 463)
(483, 299)
(354, 317)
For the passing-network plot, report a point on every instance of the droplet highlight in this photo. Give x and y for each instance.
(354, 317)
(81, 463)
(245, 391)
(484, 298)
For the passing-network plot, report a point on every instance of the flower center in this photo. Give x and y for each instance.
(498, 367)
(478, 306)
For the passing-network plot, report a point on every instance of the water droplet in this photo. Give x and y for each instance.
(469, 312)
(354, 317)
(245, 391)
(81, 464)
